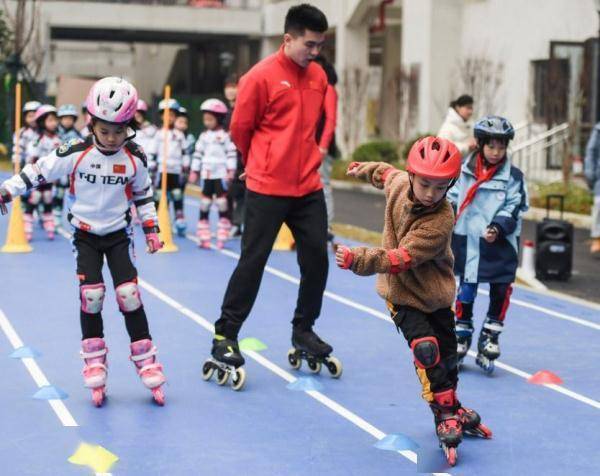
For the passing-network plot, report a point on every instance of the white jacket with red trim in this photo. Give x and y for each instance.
(102, 186)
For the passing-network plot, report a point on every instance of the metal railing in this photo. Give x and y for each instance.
(541, 157)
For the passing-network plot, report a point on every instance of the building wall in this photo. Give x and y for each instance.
(440, 34)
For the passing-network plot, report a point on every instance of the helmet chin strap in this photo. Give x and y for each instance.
(131, 135)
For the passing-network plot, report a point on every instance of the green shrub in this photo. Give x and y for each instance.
(376, 151)
(578, 199)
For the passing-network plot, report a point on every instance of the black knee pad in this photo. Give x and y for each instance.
(426, 352)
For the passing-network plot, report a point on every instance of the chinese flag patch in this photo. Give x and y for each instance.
(119, 169)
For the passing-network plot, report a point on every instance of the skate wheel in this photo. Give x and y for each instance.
(207, 371)
(98, 396)
(294, 361)
(334, 365)
(158, 395)
(222, 377)
(451, 456)
(238, 379)
(314, 366)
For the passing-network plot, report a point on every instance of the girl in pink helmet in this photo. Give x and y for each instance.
(107, 171)
(47, 140)
(214, 162)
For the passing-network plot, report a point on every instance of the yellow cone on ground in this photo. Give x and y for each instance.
(285, 240)
(99, 459)
(15, 236)
(164, 221)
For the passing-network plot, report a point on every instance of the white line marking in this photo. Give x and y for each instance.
(386, 317)
(62, 412)
(321, 398)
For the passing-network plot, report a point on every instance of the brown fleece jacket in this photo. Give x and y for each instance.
(415, 262)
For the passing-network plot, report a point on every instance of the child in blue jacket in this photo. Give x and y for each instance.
(489, 199)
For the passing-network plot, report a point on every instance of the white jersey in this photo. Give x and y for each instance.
(145, 135)
(177, 157)
(26, 137)
(42, 147)
(215, 156)
(101, 187)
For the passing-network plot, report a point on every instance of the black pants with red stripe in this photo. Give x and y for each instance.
(416, 324)
(117, 247)
(307, 218)
(499, 300)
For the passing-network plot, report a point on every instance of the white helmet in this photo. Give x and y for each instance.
(215, 106)
(112, 99)
(172, 104)
(31, 106)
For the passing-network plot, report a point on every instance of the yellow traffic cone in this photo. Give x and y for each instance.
(285, 239)
(15, 236)
(164, 223)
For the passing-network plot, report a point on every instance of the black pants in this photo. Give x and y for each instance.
(416, 324)
(236, 196)
(89, 251)
(175, 189)
(307, 219)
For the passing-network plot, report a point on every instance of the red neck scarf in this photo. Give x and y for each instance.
(482, 174)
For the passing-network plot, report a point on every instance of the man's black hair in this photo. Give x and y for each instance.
(304, 17)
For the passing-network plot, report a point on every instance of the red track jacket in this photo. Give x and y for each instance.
(273, 126)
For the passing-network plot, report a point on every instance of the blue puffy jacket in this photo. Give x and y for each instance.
(501, 201)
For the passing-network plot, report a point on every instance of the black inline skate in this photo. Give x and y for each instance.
(488, 348)
(471, 423)
(448, 426)
(308, 346)
(227, 361)
(464, 336)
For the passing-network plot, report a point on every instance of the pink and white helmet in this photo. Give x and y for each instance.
(43, 111)
(142, 106)
(213, 105)
(112, 99)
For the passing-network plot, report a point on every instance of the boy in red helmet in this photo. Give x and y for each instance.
(415, 275)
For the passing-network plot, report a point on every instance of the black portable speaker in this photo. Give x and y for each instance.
(554, 245)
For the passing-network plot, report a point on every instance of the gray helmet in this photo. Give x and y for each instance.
(494, 127)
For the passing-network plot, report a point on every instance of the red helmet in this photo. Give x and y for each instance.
(434, 158)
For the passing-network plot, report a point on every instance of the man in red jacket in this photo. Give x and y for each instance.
(279, 104)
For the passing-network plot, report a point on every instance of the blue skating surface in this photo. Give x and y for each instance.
(267, 429)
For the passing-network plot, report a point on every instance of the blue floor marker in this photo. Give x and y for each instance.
(24, 353)
(50, 392)
(304, 384)
(396, 442)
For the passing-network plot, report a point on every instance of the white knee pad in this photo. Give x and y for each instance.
(35, 197)
(176, 194)
(47, 196)
(221, 204)
(128, 296)
(92, 297)
(205, 204)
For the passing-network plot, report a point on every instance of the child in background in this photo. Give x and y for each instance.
(145, 129)
(490, 198)
(107, 171)
(414, 275)
(214, 162)
(47, 140)
(177, 163)
(67, 116)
